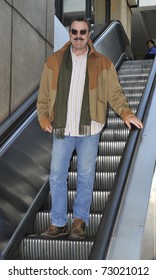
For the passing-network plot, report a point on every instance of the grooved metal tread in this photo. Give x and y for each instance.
(137, 65)
(99, 199)
(106, 148)
(134, 76)
(103, 164)
(42, 222)
(103, 181)
(133, 83)
(37, 248)
(34, 247)
(111, 134)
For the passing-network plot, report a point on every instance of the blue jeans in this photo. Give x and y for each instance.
(62, 150)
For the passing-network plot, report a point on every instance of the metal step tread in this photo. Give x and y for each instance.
(99, 198)
(133, 78)
(138, 64)
(133, 95)
(133, 83)
(114, 148)
(134, 87)
(112, 134)
(136, 71)
(41, 248)
(42, 222)
(104, 163)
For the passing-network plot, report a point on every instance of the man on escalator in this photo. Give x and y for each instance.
(76, 85)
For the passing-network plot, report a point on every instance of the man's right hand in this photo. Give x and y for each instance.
(48, 129)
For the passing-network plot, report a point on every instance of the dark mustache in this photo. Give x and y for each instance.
(81, 39)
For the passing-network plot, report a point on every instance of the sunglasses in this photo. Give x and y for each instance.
(82, 31)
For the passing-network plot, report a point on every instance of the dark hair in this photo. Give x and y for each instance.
(80, 19)
(150, 41)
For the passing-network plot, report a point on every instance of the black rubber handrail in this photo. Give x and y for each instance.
(105, 230)
(114, 31)
(18, 117)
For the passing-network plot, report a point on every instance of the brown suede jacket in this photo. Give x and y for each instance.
(104, 88)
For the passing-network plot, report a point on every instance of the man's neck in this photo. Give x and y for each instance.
(80, 52)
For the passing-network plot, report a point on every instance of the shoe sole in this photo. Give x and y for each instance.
(56, 236)
(76, 237)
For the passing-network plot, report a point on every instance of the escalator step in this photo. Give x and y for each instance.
(115, 123)
(42, 222)
(133, 83)
(108, 163)
(136, 64)
(37, 248)
(133, 77)
(110, 135)
(103, 181)
(104, 163)
(134, 87)
(112, 115)
(98, 201)
(111, 148)
(131, 94)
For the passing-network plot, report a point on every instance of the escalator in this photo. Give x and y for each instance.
(25, 159)
(111, 147)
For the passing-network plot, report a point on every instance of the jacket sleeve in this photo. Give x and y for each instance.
(43, 99)
(116, 96)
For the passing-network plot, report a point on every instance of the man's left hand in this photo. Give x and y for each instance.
(135, 121)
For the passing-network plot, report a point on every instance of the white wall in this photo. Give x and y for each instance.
(147, 3)
(74, 5)
(59, 41)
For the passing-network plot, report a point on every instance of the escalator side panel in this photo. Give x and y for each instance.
(24, 168)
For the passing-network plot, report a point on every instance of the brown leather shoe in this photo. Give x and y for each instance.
(54, 231)
(78, 229)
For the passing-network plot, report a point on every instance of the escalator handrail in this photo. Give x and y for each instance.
(18, 117)
(124, 51)
(105, 230)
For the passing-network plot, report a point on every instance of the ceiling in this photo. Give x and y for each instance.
(143, 28)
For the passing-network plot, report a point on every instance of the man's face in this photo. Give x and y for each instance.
(79, 34)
